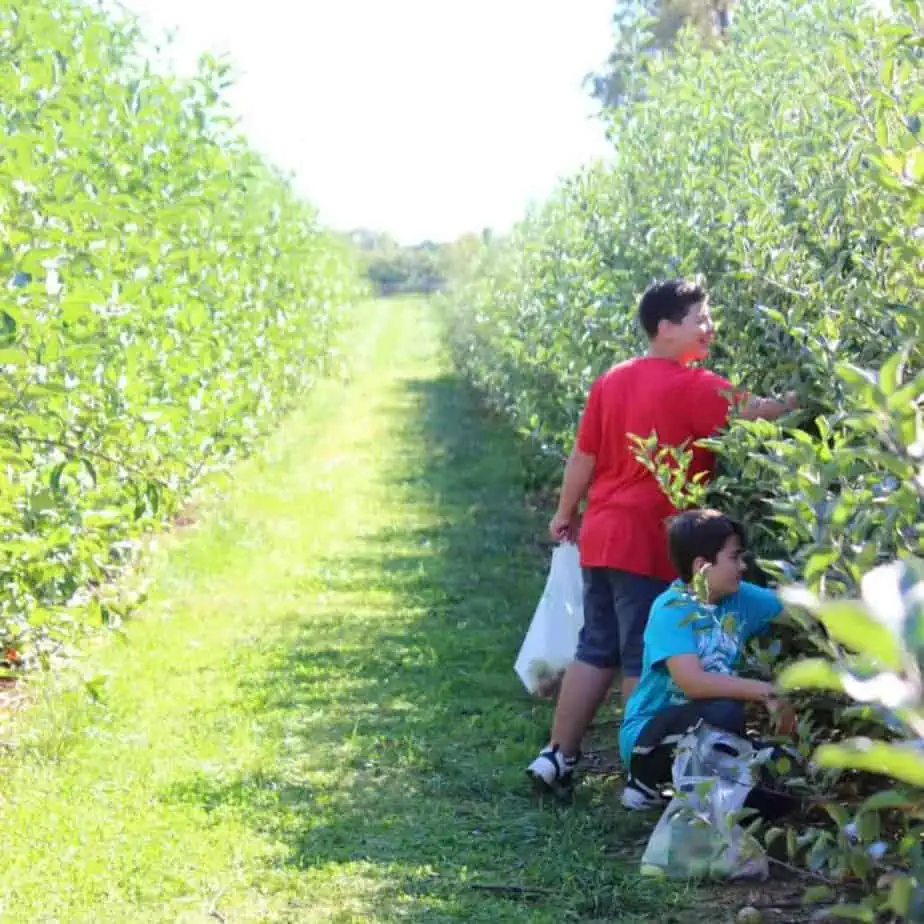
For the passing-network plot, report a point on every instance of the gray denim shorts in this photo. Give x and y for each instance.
(616, 607)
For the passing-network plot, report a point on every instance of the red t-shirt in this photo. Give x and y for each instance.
(624, 523)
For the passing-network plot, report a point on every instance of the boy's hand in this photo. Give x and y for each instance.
(782, 714)
(564, 527)
(769, 408)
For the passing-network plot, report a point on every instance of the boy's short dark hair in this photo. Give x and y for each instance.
(699, 534)
(668, 301)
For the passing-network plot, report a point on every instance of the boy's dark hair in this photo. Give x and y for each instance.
(699, 534)
(668, 301)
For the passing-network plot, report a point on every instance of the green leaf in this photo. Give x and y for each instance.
(772, 836)
(897, 761)
(900, 894)
(852, 913)
(810, 674)
(774, 315)
(90, 469)
(54, 480)
(882, 133)
(816, 895)
(819, 563)
(11, 316)
(853, 375)
(838, 814)
(13, 356)
(887, 72)
(914, 166)
(848, 623)
(869, 827)
(890, 373)
(860, 863)
(887, 799)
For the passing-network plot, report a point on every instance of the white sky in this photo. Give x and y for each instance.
(422, 118)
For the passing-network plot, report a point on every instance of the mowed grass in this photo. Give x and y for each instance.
(314, 717)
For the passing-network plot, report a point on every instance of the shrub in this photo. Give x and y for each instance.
(787, 170)
(165, 295)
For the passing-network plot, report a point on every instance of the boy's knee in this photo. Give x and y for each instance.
(727, 714)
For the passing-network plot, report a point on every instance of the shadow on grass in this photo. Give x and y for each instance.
(406, 729)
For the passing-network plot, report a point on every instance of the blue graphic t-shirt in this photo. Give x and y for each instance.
(679, 624)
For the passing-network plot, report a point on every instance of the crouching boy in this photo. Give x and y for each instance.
(691, 651)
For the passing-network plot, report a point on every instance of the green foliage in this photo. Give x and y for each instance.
(763, 169)
(876, 657)
(787, 169)
(164, 295)
(669, 465)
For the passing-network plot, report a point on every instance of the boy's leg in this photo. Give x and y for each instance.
(633, 596)
(616, 607)
(590, 675)
(583, 689)
(653, 755)
(584, 686)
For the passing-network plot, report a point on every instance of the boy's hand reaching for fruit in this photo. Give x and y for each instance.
(782, 714)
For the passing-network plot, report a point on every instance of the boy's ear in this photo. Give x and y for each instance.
(700, 564)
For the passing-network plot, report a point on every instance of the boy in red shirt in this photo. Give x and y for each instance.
(623, 538)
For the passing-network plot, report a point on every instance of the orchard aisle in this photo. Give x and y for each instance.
(315, 718)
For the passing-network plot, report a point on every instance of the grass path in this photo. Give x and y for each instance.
(315, 716)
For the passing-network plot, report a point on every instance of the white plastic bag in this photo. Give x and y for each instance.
(551, 640)
(695, 838)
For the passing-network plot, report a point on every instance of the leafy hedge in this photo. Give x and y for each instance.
(787, 168)
(165, 296)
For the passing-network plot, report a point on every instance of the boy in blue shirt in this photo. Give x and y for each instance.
(691, 651)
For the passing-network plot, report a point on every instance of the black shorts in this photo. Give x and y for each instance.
(616, 608)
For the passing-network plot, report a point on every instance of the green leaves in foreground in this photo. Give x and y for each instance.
(877, 659)
(904, 761)
(880, 639)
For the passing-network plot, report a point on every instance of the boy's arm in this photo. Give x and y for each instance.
(759, 607)
(755, 408)
(711, 399)
(687, 672)
(576, 481)
(579, 469)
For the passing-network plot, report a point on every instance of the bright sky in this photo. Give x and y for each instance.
(422, 118)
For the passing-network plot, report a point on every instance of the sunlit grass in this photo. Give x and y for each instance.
(315, 717)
